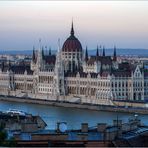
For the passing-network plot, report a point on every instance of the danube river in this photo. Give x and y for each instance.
(73, 117)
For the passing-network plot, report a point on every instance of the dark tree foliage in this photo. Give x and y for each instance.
(3, 138)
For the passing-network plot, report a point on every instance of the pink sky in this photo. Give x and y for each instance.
(124, 23)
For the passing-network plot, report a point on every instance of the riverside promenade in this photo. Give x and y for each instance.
(79, 105)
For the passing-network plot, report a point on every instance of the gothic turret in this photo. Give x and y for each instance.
(86, 54)
(103, 51)
(97, 53)
(59, 73)
(9, 65)
(40, 57)
(3, 66)
(49, 51)
(33, 55)
(43, 52)
(114, 56)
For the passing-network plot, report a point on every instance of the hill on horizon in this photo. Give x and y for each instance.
(132, 52)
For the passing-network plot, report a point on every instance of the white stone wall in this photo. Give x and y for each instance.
(67, 57)
(45, 82)
(122, 88)
(146, 88)
(110, 87)
(4, 83)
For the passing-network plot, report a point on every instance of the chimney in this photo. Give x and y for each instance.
(84, 127)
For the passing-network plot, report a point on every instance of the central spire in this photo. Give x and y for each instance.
(72, 30)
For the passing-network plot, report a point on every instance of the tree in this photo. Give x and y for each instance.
(4, 137)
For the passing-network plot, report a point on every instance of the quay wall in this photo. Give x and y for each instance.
(130, 104)
(96, 107)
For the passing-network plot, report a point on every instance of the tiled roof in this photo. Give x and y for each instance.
(123, 73)
(94, 75)
(145, 73)
(125, 66)
(50, 59)
(72, 44)
(20, 69)
(91, 61)
(105, 74)
(104, 60)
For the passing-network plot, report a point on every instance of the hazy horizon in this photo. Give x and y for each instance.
(109, 23)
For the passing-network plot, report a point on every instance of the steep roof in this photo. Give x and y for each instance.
(50, 59)
(103, 59)
(20, 69)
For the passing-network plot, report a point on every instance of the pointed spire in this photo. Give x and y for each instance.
(100, 50)
(42, 52)
(33, 54)
(103, 51)
(59, 45)
(114, 56)
(97, 53)
(72, 29)
(101, 69)
(50, 51)
(114, 51)
(45, 51)
(9, 65)
(86, 54)
(40, 44)
(3, 65)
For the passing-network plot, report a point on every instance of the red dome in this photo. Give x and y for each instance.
(72, 44)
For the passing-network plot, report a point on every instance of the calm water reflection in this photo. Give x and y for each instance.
(73, 117)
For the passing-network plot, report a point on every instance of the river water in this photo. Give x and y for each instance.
(73, 117)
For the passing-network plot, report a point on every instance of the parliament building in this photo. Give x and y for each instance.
(72, 72)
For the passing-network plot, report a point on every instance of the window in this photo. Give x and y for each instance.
(119, 84)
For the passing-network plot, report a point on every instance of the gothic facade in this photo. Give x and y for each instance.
(73, 72)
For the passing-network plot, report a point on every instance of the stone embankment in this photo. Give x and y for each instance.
(96, 107)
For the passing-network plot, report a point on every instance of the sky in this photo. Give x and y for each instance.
(108, 23)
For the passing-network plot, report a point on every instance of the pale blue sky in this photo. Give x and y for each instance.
(124, 23)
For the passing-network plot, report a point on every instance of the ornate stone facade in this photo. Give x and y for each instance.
(72, 72)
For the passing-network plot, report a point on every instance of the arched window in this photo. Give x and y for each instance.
(134, 96)
(112, 84)
(139, 96)
(119, 84)
(126, 84)
(123, 84)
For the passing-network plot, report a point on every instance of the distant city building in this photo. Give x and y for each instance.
(73, 72)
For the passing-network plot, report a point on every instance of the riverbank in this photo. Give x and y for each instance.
(87, 106)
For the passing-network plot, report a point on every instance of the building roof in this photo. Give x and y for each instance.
(146, 73)
(105, 74)
(72, 44)
(103, 59)
(50, 59)
(20, 69)
(125, 66)
(122, 73)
